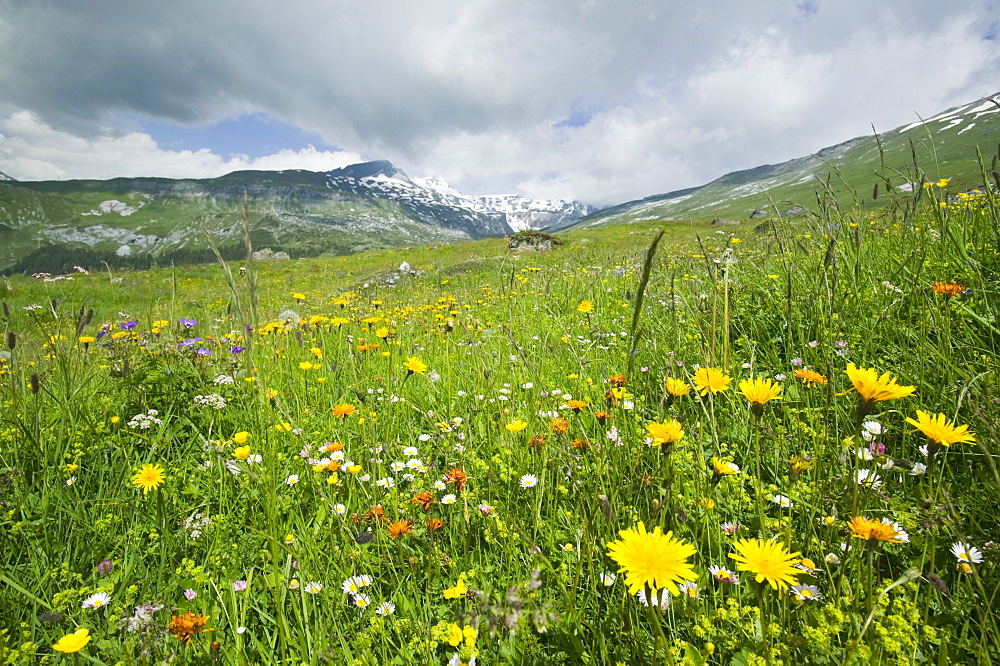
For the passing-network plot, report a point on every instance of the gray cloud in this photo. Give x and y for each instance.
(659, 94)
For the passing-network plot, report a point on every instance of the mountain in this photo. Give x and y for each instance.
(897, 162)
(49, 225)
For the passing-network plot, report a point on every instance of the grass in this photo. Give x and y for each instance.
(528, 386)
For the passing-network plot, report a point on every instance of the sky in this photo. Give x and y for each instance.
(601, 101)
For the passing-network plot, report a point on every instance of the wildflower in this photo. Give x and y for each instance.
(241, 452)
(486, 509)
(529, 481)
(798, 464)
(770, 560)
(435, 524)
(948, 289)
(617, 380)
(385, 608)
(729, 528)
(559, 426)
(457, 476)
(872, 530)
(677, 387)
(292, 479)
(73, 642)
(517, 426)
(967, 553)
(711, 380)
(190, 594)
(313, 587)
(424, 500)
(652, 559)
(585, 307)
(399, 528)
(759, 392)
(657, 599)
(871, 388)
(241, 437)
(782, 501)
(96, 600)
(456, 634)
(448, 499)
(361, 600)
(690, 588)
(723, 574)
(104, 567)
(940, 431)
(832, 558)
(721, 469)
(149, 477)
(810, 377)
(867, 478)
(415, 365)
(664, 433)
(187, 626)
(806, 593)
(576, 405)
(607, 579)
(343, 410)
(457, 590)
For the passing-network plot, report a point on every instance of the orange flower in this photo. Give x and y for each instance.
(617, 380)
(536, 441)
(435, 524)
(399, 528)
(343, 410)
(602, 417)
(948, 288)
(185, 627)
(580, 444)
(576, 405)
(810, 377)
(424, 500)
(458, 476)
(559, 426)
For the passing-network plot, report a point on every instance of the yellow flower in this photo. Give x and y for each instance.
(652, 558)
(241, 437)
(305, 365)
(458, 590)
(284, 426)
(721, 469)
(317, 352)
(73, 642)
(759, 392)
(711, 380)
(414, 364)
(298, 296)
(664, 433)
(149, 477)
(770, 560)
(86, 339)
(585, 307)
(517, 426)
(809, 376)
(872, 530)
(677, 387)
(940, 431)
(241, 452)
(871, 388)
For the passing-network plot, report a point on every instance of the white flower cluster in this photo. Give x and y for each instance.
(213, 400)
(145, 421)
(223, 380)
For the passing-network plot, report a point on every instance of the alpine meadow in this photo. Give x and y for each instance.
(656, 441)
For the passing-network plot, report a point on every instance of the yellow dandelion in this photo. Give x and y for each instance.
(770, 560)
(940, 431)
(872, 388)
(664, 433)
(652, 559)
(759, 392)
(414, 364)
(149, 477)
(711, 380)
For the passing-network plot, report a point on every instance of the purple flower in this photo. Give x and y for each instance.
(201, 351)
(129, 325)
(797, 361)
(104, 567)
(236, 350)
(189, 343)
(188, 323)
(190, 594)
(239, 585)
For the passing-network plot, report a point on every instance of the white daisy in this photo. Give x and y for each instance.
(100, 599)
(529, 481)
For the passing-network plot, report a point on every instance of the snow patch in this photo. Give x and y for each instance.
(114, 206)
